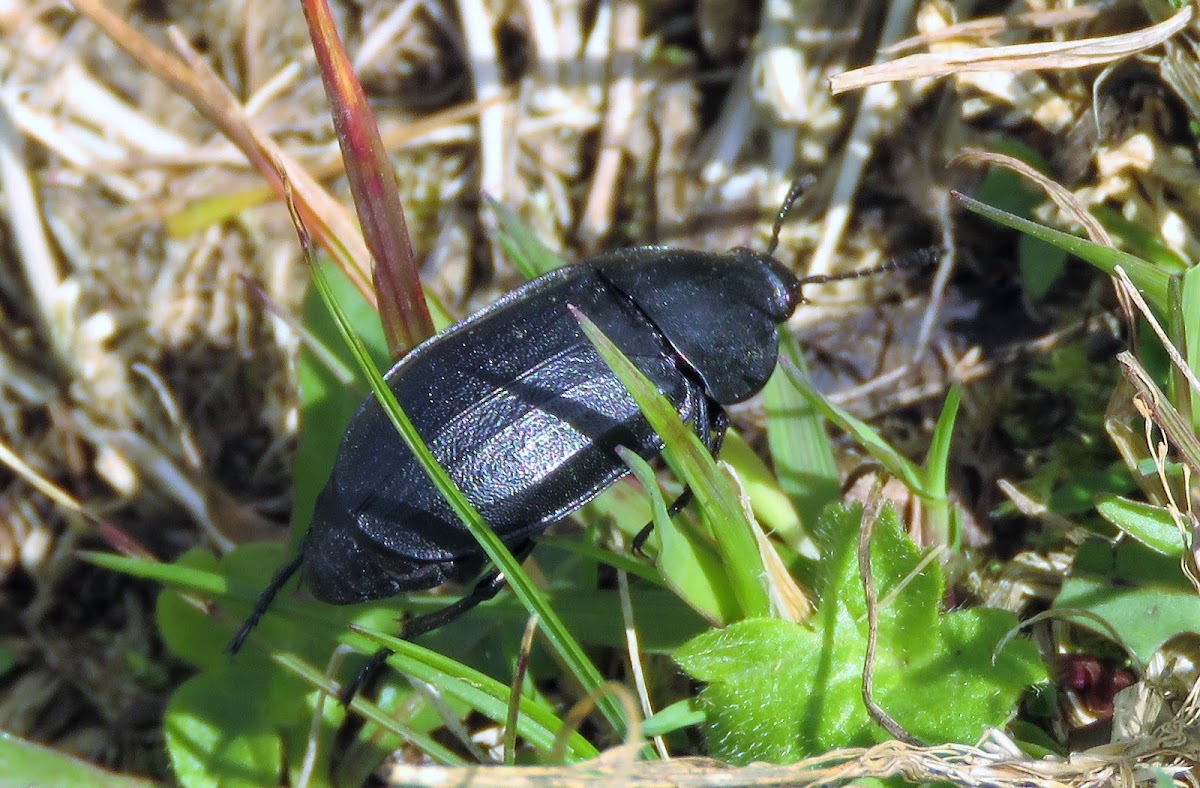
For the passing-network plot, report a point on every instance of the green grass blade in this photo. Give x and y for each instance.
(30, 763)
(773, 507)
(526, 251)
(538, 724)
(1190, 314)
(594, 552)
(688, 565)
(692, 463)
(184, 577)
(315, 678)
(679, 715)
(892, 461)
(215, 585)
(1145, 243)
(1149, 279)
(799, 441)
(937, 463)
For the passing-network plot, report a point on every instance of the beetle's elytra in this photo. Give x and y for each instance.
(524, 415)
(521, 411)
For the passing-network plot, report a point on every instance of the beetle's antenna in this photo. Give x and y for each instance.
(264, 602)
(918, 259)
(794, 191)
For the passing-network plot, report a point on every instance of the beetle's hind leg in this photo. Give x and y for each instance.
(713, 426)
(264, 601)
(485, 588)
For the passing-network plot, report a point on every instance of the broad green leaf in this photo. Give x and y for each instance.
(29, 763)
(779, 692)
(217, 735)
(1141, 594)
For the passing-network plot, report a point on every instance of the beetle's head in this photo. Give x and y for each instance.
(768, 284)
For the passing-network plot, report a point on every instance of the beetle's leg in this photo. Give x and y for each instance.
(264, 602)
(677, 506)
(487, 587)
(714, 424)
(718, 425)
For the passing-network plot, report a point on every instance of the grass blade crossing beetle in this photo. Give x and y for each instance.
(524, 415)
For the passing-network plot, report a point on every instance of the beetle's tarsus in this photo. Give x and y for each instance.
(639, 539)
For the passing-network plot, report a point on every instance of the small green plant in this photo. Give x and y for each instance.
(777, 691)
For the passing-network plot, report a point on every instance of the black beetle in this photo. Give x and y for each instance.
(521, 411)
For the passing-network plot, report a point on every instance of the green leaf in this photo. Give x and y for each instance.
(1005, 188)
(1142, 595)
(1148, 244)
(1149, 279)
(936, 472)
(28, 763)
(8, 660)
(1151, 525)
(537, 723)
(1041, 265)
(217, 735)
(680, 714)
(1190, 314)
(892, 461)
(770, 504)
(778, 692)
(308, 630)
(687, 564)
